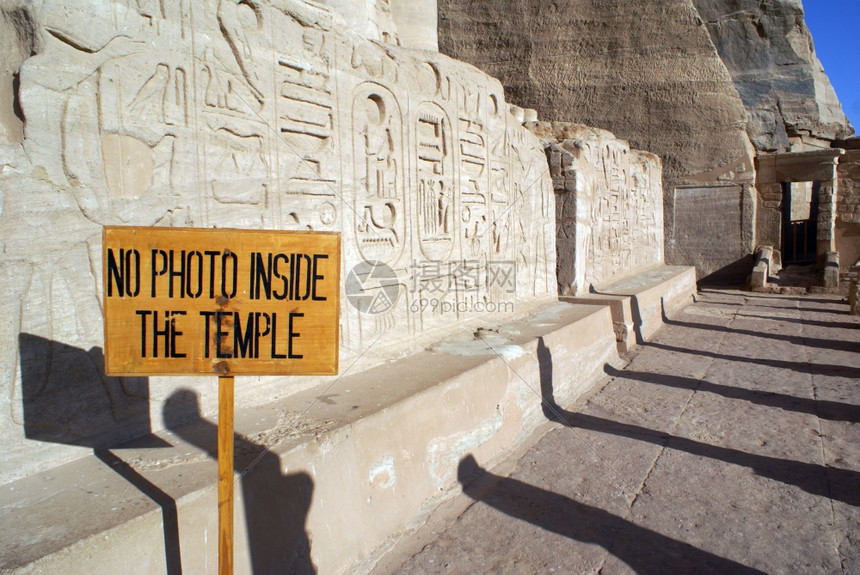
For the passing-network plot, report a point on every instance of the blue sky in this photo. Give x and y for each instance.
(833, 24)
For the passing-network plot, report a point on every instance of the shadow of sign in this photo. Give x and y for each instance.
(276, 504)
(68, 399)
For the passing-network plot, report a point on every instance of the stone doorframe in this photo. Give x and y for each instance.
(816, 166)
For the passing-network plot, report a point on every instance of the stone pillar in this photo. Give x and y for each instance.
(827, 215)
(416, 23)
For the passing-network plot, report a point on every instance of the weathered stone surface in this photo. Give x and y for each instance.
(223, 114)
(712, 225)
(761, 270)
(609, 206)
(847, 225)
(770, 54)
(646, 71)
(682, 79)
(16, 44)
(379, 451)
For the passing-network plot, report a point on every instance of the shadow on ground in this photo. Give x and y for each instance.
(831, 410)
(849, 346)
(831, 482)
(645, 551)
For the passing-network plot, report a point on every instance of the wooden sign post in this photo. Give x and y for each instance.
(180, 301)
(225, 475)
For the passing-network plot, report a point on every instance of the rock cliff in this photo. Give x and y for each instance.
(678, 77)
(769, 52)
(646, 71)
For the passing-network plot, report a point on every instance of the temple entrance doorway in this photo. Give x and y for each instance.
(800, 222)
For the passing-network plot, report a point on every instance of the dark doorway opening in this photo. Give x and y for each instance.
(800, 222)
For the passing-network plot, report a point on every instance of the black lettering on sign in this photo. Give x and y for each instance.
(275, 354)
(121, 272)
(163, 332)
(297, 276)
(183, 273)
(280, 276)
(212, 254)
(207, 315)
(247, 334)
(248, 344)
(293, 334)
(223, 321)
(316, 277)
(157, 272)
(265, 275)
(190, 259)
(229, 256)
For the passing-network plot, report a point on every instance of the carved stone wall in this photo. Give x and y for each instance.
(713, 224)
(847, 226)
(609, 207)
(246, 115)
(647, 71)
(848, 174)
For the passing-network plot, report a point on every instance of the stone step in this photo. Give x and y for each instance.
(641, 301)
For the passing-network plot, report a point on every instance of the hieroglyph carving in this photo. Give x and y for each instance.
(435, 174)
(380, 203)
(474, 173)
(626, 216)
(618, 212)
(270, 114)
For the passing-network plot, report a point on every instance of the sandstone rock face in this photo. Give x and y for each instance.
(646, 71)
(609, 206)
(243, 115)
(769, 52)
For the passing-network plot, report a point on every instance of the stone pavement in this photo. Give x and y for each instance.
(729, 444)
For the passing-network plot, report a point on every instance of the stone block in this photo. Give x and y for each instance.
(718, 239)
(616, 201)
(758, 277)
(830, 273)
(763, 265)
(642, 301)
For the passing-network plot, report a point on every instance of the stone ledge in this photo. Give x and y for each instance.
(335, 475)
(640, 301)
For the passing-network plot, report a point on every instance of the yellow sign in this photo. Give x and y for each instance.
(181, 301)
